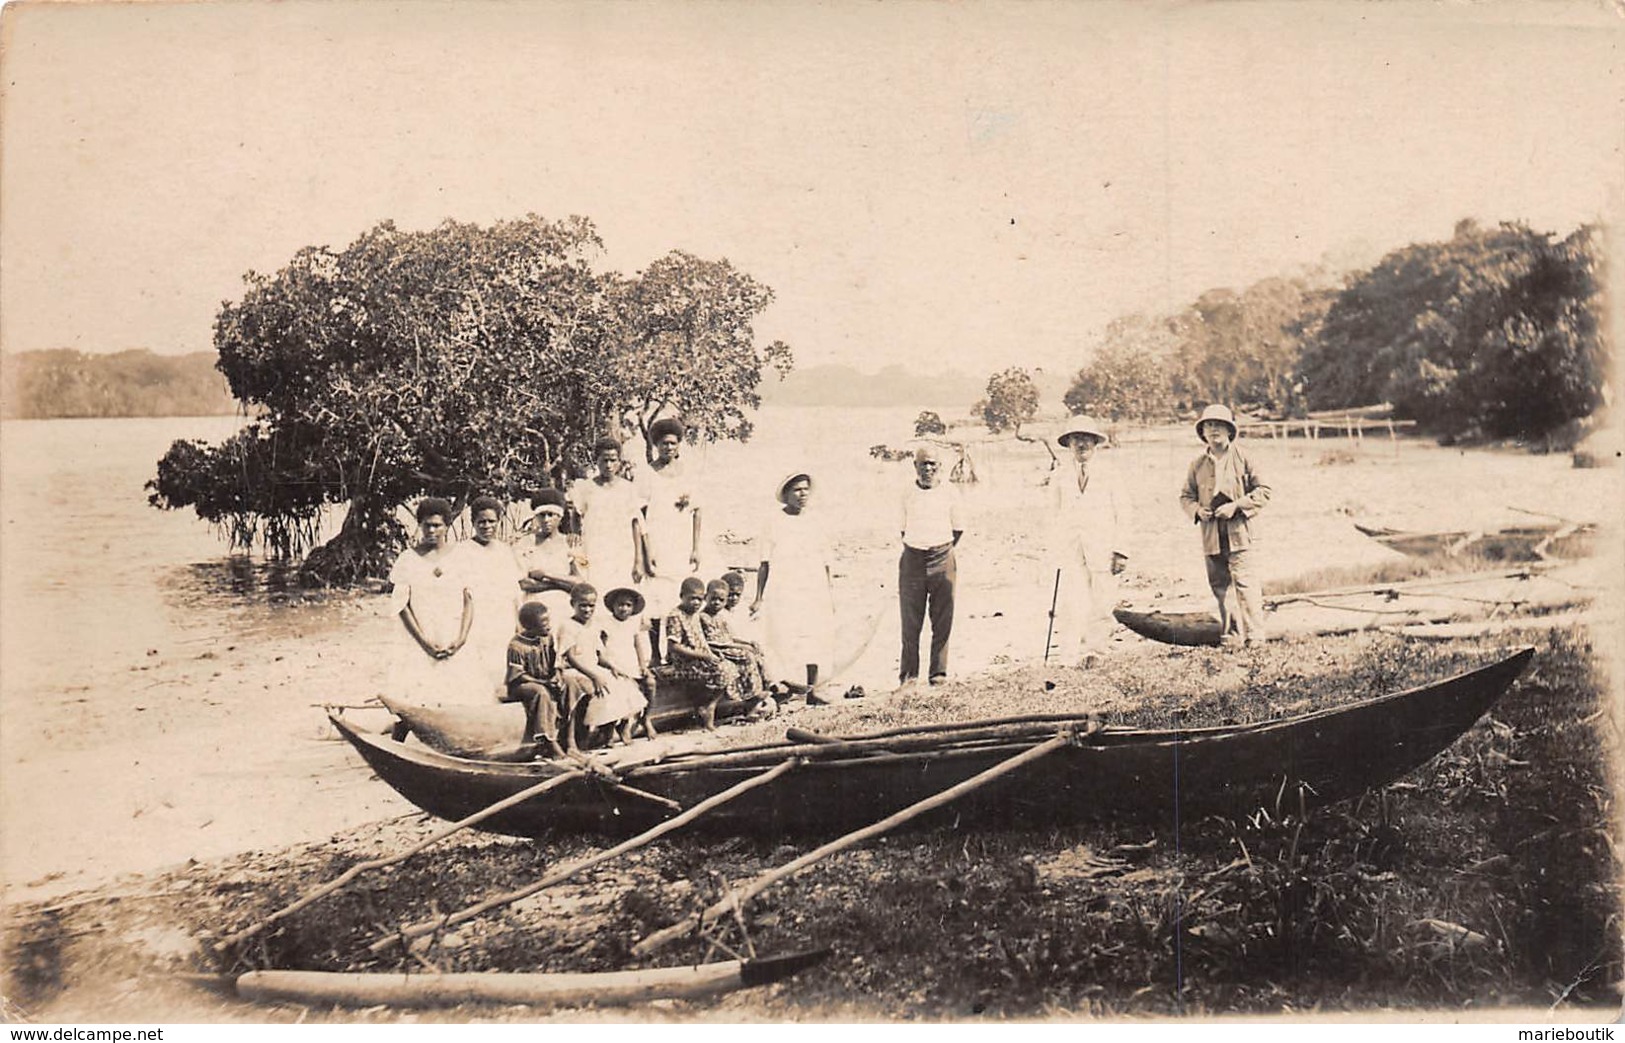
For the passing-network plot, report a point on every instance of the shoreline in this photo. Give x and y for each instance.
(200, 745)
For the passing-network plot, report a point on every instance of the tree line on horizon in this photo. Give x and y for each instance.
(1493, 333)
(63, 383)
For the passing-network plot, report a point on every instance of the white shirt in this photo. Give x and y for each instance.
(930, 516)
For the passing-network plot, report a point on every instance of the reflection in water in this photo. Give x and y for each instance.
(247, 596)
(241, 576)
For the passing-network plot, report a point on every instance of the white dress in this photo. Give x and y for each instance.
(606, 513)
(492, 571)
(1085, 528)
(553, 557)
(434, 587)
(621, 643)
(798, 607)
(670, 502)
(622, 698)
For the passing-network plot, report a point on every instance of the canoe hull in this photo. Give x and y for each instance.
(1156, 776)
(1347, 610)
(496, 732)
(1191, 629)
(1524, 543)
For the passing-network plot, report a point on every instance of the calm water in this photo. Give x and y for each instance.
(90, 569)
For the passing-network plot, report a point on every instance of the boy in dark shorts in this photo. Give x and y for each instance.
(534, 680)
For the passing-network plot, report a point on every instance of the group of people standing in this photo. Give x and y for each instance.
(475, 613)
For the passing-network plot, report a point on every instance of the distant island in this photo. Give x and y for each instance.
(839, 385)
(61, 383)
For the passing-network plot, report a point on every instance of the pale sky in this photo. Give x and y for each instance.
(988, 183)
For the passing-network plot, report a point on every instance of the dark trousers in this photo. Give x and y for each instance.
(925, 585)
(542, 708)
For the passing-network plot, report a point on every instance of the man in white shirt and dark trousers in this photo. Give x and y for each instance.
(926, 573)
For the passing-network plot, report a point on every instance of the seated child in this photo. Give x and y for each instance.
(689, 657)
(626, 647)
(746, 655)
(739, 619)
(610, 698)
(533, 677)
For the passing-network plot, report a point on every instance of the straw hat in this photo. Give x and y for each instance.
(1079, 426)
(1220, 413)
(626, 592)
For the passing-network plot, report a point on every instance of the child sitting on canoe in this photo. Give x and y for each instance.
(626, 647)
(534, 680)
(746, 655)
(610, 698)
(739, 620)
(690, 657)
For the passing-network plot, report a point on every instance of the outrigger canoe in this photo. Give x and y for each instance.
(1110, 773)
(1537, 542)
(1441, 599)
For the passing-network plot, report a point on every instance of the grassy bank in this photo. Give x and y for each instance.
(1485, 879)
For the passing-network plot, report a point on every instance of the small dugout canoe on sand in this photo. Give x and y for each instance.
(1534, 542)
(1345, 610)
(496, 731)
(1110, 773)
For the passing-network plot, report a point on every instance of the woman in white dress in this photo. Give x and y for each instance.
(793, 595)
(671, 518)
(546, 558)
(493, 574)
(1085, 546)
(428, 665)
(611, 520)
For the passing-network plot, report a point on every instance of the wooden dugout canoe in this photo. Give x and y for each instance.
(1536, 542)
(1348, 609)
(1148, 775)
(496, 731)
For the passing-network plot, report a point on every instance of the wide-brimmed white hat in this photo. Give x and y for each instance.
(1081, 425)
(790, 479)
(1220, 413)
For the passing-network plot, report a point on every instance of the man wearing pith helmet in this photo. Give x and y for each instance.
(1087, 552)
(1223, 493)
